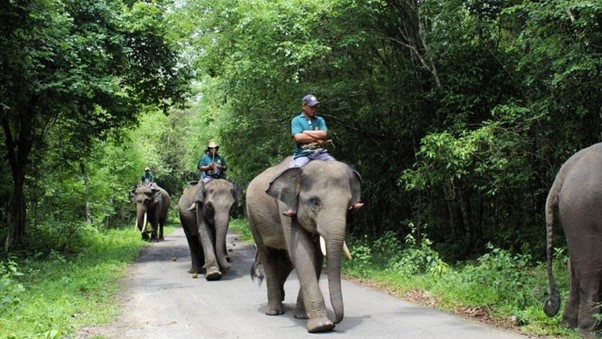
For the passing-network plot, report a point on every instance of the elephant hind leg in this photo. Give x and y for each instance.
(161, 231)
(589, 301)
(571, 309)
(300, 312)
(277, 267)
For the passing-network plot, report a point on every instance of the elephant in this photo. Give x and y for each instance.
(577, 192)
(206, 227)
(152, 206)
(322, 193)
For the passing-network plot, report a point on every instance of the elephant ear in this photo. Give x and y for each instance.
(286, 187)
(236, 192)
(200, 192)
(156, 195)
(356, 186)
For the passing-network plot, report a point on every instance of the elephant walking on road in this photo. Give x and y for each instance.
(152, 207)
(207, 226)
(577, 191)
(322, 192)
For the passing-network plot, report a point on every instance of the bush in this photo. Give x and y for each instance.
(419, 257)
(10, 288)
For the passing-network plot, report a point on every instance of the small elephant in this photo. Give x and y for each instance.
(207, 226)
(577, 191)
(322, 193)
(152, 206)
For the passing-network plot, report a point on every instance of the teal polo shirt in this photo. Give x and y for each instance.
(206, 160)
(301, 123)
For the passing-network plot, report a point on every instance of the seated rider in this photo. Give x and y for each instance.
(212, 166)
(147, 177)
(310, 133)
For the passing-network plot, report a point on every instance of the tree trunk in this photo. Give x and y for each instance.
(18, 151)
(86, 178)
(17, 215)
(465, 218)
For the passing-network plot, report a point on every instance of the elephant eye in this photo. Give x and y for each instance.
(314, 202)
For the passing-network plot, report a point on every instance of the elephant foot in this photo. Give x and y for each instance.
(194, 269)
(213, 274)
(274, 309)
(320, 324)
(225, 267)
(300, 313)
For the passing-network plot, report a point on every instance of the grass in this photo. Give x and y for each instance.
(64, 293)
(241, 227)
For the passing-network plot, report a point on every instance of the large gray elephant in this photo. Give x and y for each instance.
(207, 226)
(322, 193)
(577, 192)
(152, 206)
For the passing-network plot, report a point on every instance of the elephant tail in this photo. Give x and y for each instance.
(552, 304)
(255, 272)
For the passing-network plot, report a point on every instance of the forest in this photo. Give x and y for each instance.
(457, 113)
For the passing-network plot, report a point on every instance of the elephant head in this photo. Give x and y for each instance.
(322, 193)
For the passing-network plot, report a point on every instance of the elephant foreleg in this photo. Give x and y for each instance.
(212, 271)
(300, 312)
(303, 255)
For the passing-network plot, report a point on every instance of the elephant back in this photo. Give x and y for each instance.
(261, 182)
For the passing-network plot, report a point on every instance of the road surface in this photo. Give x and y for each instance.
(160, 299)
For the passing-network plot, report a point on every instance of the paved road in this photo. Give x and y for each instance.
(161, 300)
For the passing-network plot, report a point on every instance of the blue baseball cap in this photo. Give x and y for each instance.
(310, 100)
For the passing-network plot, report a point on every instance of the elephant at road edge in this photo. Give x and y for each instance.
(577, 192)
(152, 207)
(322, 193)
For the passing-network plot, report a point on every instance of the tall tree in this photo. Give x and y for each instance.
(87, 66)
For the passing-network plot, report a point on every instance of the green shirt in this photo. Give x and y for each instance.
(299, 124)
(207, 160)
(147, 176)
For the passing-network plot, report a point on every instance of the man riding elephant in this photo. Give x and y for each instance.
(211, 166)
(310, 134)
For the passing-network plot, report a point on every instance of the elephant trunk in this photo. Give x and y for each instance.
(221, 231)
(334, 247)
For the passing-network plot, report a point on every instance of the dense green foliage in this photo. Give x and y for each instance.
(73, 72)
(457, 113)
